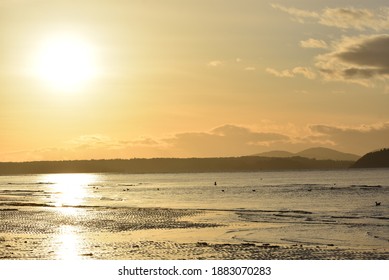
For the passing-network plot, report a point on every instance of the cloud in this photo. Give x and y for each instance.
(313, 43)
(231, 63)
(226, 140)
(215, 63)
(147, 142)
(94, 141)
(362, 59)
(304, 71)
(245, 134)
(359, 139)
(297, 14)
(233, 140)
(352, 18)
(222, 141)
(343, 18)
(356, 59)
(280, 74)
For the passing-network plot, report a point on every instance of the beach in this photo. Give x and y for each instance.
(295, 215)
(148, 233)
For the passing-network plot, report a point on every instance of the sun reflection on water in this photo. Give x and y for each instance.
(69, 189)
(68, 243)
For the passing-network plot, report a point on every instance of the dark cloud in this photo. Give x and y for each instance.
(357, 59)
(370, 51)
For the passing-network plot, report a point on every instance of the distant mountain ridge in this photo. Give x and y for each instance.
(376, 159)
(318, 153)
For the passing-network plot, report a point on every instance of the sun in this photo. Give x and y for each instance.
(66, 62)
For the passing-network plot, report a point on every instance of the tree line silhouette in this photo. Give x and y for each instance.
(170, 165)
(377, 159)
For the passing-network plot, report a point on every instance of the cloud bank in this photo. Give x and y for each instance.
(222, 141)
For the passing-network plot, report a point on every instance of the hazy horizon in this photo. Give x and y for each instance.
(103, 80)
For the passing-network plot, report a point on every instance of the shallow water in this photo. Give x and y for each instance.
(306, 207)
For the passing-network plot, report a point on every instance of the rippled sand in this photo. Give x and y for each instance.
(150, 233)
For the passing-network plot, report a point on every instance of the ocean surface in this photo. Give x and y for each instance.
(313, 207)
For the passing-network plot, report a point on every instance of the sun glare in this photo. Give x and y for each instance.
(69, 189)
(66, 63)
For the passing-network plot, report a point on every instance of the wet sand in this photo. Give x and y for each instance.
(39, 233)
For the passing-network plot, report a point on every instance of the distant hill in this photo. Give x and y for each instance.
(318, 153)
(171, 165)
(325, 153)
(377, 159)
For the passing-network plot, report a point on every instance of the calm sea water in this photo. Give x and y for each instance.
(327, 201)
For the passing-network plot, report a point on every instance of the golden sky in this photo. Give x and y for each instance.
(195, 78)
